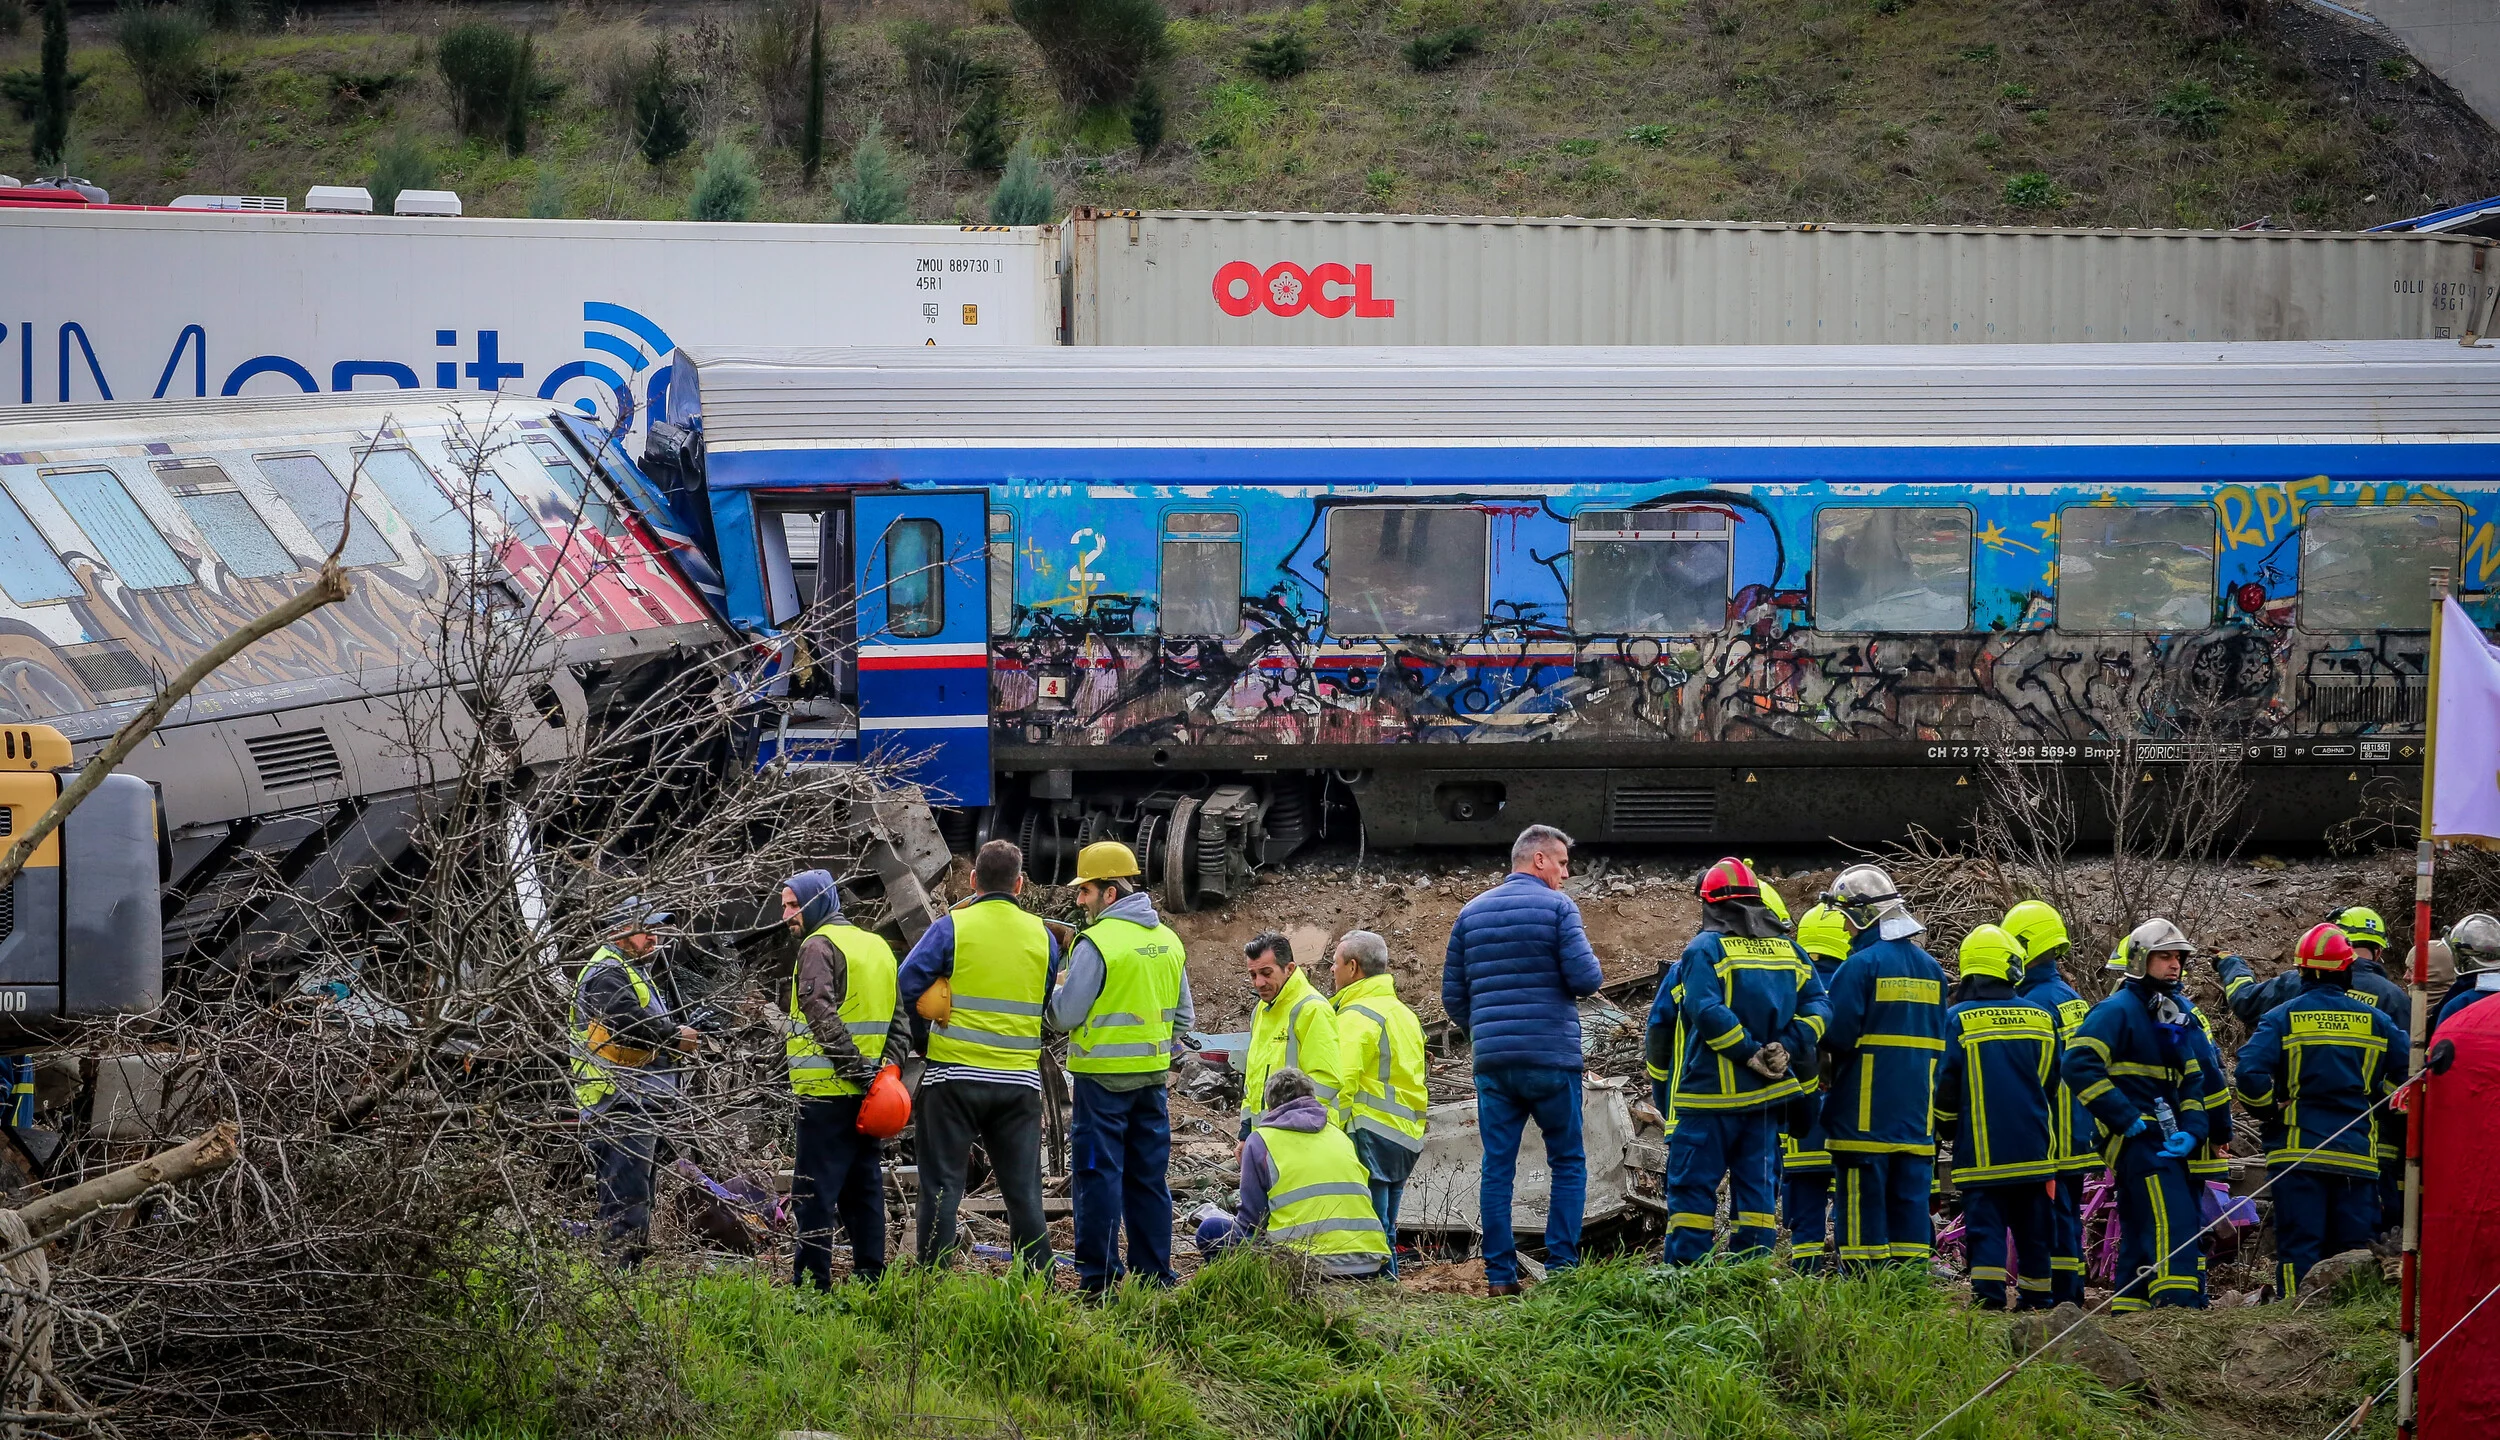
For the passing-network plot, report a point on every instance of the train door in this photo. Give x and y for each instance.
(921, 565)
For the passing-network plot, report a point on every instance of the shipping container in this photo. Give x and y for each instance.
(161, 304)
(1189, 278)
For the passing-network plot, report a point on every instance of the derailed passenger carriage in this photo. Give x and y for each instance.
(131, 541)
(1204, 600)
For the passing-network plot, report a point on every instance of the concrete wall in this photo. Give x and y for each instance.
(2459, 40)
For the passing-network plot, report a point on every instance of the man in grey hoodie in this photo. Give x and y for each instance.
(1125, 995)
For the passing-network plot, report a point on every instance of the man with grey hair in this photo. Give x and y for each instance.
(1380, 1074)
(1517, 965)
(1302, 1186)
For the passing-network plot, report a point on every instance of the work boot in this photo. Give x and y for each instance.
(1510, 1288)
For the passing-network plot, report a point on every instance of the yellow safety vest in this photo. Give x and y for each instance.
(1002, 964)
(1129, 1029)
(594, 1048)
(1295, 1031)
(1383, 1096)
(867, 1010)
(1322, 1199)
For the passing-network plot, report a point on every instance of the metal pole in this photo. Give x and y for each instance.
(2409, 1302)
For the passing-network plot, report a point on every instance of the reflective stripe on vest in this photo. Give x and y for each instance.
(595, 1052)
(1272, 1030)
(1378, 1101)
(1002, 964)
(1322, 1199)
(1129, 1029)
(870, 975)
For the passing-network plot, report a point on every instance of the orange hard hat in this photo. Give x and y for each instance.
(886, 1108)
(2325, 947)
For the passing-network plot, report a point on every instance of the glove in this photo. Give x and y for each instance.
(2177, 1144)
(2138, 1127)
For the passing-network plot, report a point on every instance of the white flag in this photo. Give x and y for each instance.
(2465, 770)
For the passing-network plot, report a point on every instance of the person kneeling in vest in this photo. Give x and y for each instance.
(838, 1023)
(1302, 1185)
(1125, 996)
(621, 1036)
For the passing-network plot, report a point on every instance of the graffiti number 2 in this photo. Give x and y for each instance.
(1084, 566)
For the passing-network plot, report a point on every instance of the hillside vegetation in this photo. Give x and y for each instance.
(2072, 112)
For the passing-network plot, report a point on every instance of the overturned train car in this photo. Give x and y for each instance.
(132, 541)
(1206, 600)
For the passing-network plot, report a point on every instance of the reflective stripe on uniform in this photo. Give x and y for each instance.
(869, 997)
(1129, 1029)
(1001, 971)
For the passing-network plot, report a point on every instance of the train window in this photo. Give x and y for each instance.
(793, 548)
(2368, 567)
(314, 494)
(2135, 567)
(1002, 572)
(1650, 572)
(1892, 567)
(29, 571)
(412, 490)
(473, 476)
(915, 585)
(1201, 581)
(581, 498)
(1406, 569)
(228, 522)
(123, 535)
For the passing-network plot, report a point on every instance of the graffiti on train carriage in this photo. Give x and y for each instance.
(1702, 613)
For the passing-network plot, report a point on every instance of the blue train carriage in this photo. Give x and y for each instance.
(1211, 600)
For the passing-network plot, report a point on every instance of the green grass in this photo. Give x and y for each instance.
(1248, 1349)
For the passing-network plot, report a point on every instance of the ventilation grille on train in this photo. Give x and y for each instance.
(109, 669)
(2367, 699)
(297, 757)
(1645, 810)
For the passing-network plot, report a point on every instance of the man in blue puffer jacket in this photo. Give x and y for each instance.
(1517, 963)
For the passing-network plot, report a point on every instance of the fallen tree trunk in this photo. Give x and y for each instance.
(201, 1155)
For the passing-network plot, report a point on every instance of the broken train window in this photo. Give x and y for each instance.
(1002, 572)
(1901, 568)
(2135, 567)
(1660, 571)
(1200, 588)
(2368, 567)
(1406, 569)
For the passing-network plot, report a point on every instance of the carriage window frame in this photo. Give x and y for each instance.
(360, 527)
(1338, 611)
(2213, 570)
(1174, 531)
(2309, 516)
(1970, 571)
(193, 479)
(589, 507)
(1723, 539)
(929, 610)
(449, 531)
(23, 546)
(999, 541)
(134, 557)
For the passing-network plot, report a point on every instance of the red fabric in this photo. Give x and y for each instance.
(2459, 1383)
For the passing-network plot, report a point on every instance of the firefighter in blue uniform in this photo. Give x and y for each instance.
(1886, 1039)
(1750, 1002)
(2134, 1063)
(2041, 931)
(1998, 1092)
(2251, 1000)
(2475, 942)
(1805, 1157)
(2316, 1065)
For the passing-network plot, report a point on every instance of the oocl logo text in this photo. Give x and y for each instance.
(1329, 290)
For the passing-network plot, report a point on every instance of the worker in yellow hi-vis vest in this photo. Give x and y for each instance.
(624, 1053)
(839, 1025)
(1380, 1095)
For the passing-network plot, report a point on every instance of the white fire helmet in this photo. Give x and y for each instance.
(2143, 940)
(1865, 896)
(2475, 940)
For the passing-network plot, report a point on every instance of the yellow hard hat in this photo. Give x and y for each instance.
(1990, 951)
(1772, 902)
(1105, 860)
(2036, 926)
(1823, 932)
(2362, 926)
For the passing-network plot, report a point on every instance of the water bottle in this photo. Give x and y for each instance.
(2162, 1116)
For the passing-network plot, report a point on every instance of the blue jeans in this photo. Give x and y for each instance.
(1121, 1141)
(1506, 1097)
(1388, 1166)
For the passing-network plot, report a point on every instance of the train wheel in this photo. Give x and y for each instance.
(1179, 865)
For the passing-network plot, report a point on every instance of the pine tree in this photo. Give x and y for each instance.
(1023, 196)
(726, 188)
(1145, 118)
(876, 191)
(52, 108)
(547, 200)
(516, 106)
(984, 131)
(812, 132)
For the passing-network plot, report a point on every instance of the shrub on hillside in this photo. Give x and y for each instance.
(1280, 56)
(2192, 108)
(479, 62)
(984, 131)
(23, 89)
(876, 192)
(1442, 48)
(1145, 117)
(12, 18)
(1023, 196)
(52, 88)
(773, 54)
(547, 199)
(2032, 190)
(726, 187)
(1096, 50)
(401, 164)
(662, 107)
(163, 45)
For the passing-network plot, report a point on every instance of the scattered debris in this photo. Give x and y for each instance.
(2085, 1344)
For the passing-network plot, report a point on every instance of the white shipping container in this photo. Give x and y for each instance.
(138, 305)
(1190, 278)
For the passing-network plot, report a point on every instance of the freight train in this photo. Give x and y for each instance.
(1207, 601)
